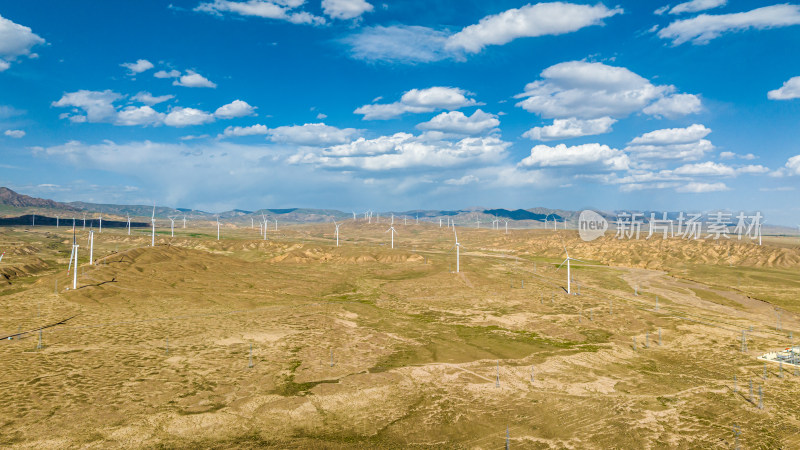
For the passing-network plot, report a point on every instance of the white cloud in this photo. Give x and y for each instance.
(98, 105)
(181, 117)
(705, 27)
(143, 115)
(792, 166)
(689, 151)
(398, 44)
(459, 123)
(236, 108)
(322, 116)
(193, 79)
(674, 106)
(139, 66)
(528, 21)
(789, 90)
(731, 155)
(345, 9)
(14, 133)
(570, 128)
(419, 101)
(16, 40)
(668, 136)
(588, 90)
(314, 134)
(466, 179)
(164, 74)
(149, 99)
(405, 151)
(601, 156)
(697, 5)
(752, 169)
(708, 168)
(252, 130)
(276, 9)
(699, 188)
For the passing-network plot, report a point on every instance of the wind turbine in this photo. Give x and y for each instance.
(478, 221)
(276, 224)
(393, 232)
(354, 216)
(217, 227)
(506, 221)
(569, 278)
(129, 225)
(405, 220)
(440, 222)
(73, 256)
(392, 218)
(458, 251)
(495, 222)
(84, 221)
(101, 222)
(417, 219)
(56, 221)
(153, 222)
(184, 221)
(337, 232)
(172, 226)
(91, 247)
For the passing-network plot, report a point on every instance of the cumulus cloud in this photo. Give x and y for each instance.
(193, 79)
(705, 27)
(252, 130)
(345, 9)
(791, 168)
(597, 155)
(143, 115)
(139, 66)
(789, 90)
(466, 179)
(696, 6)
(16, 40)
(458, 123)
(164, 74)
(528, 21)
(695, 187)
(236, 108)
(181, 117)
(97, 105)
(405, 151)
(586, 90)
(314, 134)
(419, 101)
(14, 133)
(667, 136)
(570, 128)
(276, 9)
(149, 99)
(673, 106)
(708, 168)
(731, 155)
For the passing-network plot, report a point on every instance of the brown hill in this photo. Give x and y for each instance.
(11, 198)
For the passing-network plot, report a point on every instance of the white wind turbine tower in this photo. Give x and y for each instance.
(393, 232)
(569, 276)
(217, 227)
(392, 218)
(84, 221)
(91, 247)
(478, 221)
(129, 224)
(153, 223)
(417, 219)
(458, 251)
(495, 222)
(405, 220)
(252, 224)
(101, 223)
(440, 222)
(276, 224)
(184, 221)
(506, 221)
(73, 257)
(354, 216)
(56, 221)
(337, 231)
(172, 226)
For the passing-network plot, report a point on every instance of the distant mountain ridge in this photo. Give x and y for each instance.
(11, 198)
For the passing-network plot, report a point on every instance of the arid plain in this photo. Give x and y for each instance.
(371, 347)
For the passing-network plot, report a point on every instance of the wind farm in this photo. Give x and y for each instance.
(214, 334)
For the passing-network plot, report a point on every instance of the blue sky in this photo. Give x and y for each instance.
(356, 104)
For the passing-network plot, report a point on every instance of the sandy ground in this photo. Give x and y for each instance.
(365, 346)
